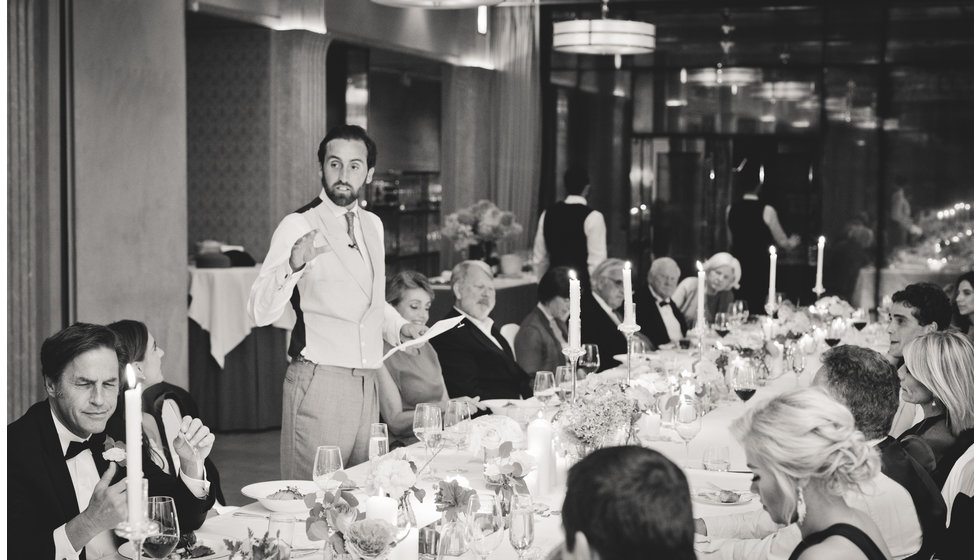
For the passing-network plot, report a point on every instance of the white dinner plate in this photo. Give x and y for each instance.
(261, 490)
(711, 497)
(213, 542)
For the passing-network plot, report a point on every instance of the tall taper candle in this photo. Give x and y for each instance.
(820, 243)
(772, 275)
(574, 311)
(629, 311)
(134, 447)
(701, 318)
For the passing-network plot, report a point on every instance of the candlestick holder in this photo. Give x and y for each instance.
(573, 354)
(137, 532)
(628, 331)
(771, 308)
(818, 289)
(699, 331)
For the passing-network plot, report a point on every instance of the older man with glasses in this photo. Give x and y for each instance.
(602, 312)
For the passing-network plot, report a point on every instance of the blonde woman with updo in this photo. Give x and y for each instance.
(938, 376)
(722, 275)
(805, 454)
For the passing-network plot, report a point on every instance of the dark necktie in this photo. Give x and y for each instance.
(350, 231)
(76, 447)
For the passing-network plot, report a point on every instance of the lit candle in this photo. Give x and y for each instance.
(820, 244)
(701, 321)
(629, 312)
(539, 444)
(772, 275)
(382, 507)
(134, 447)
(574, 311)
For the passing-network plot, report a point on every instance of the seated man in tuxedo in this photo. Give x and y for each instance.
(658, 316)
(476, 360)
(902, 499)
(627, 503)
(65, 495)
(602, 313)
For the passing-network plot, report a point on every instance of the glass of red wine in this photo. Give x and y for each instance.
(744, 381)
(721, 324)
(835, 332)
(859, 318)
(161, 510)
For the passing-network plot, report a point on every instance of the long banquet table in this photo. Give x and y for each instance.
(548, 531)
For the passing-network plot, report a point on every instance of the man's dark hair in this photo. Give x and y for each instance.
(59, 349)
(928, 302)
(866, 383)
(349, 132)
(554, 283)
(631, 503)
(576, 179)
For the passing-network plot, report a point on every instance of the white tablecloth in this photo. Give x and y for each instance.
(219, 297)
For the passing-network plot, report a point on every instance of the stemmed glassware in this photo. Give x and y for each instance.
(544, 386)
(589, 361)
(328, 461)
(456, 430)
(427, 426)
(835, 332)
(797, 361)
(378, 441)
(744, 381)
(563, 382)
(737, 312)
(486, 524)
(687, 421)
(721, 324)
(161, 511)
(521, 524)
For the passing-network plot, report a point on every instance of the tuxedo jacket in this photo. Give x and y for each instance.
(649, 319)
(536, 346)
(599, 328)
(930, 507)
(40, 493)
(473, 366)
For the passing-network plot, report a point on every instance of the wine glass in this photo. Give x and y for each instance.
(589, 361)
(486, 524)
(721, 325)
(521, 524)
(328, 461)
(737, 312)
(544, 386)
(835, 332)
(378, 441)
(797, 361)
(744, 381)
(859, 318)
(687, 421)
(161, 511)
(563, 383)
(427, 426)
(456, 432)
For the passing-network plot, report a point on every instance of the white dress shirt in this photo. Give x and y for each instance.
(595, 238)
(485, 326)
(667, 314)
(609, 311)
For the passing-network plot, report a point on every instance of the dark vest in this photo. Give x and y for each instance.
(751, 237)
(297, 340)
(564, 237)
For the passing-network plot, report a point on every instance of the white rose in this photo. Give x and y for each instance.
(114, 454)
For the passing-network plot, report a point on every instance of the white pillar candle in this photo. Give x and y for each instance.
(820, 243)
(539, 444)
(381, 507)
(701, 321)
(574, 311)
(629, 311)
(772, 274)
(134, 447)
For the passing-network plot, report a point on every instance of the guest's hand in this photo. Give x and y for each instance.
(106, 508)
(412, 330)
(193, 445)
(473, 402)
(304, 251)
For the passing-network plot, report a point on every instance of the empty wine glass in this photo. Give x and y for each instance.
(563, 382)
(378, 440)
(161, 511)
(589, 361)
(521, 524)
(456, 430)
(427, 426)
(687, 421)
(544, 386)
(797, 361)
(737, 312)
(486, 524)
(328, 461)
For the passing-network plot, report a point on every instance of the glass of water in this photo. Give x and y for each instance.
(378, 442)
(521, 524)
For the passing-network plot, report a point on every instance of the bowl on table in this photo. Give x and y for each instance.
(521, 410)
(263, 492)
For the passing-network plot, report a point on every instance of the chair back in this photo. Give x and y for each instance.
(959, 481)
(509, 332)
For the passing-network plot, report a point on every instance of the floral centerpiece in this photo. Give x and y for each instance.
(255, 548)
(396, 476)
(481, 226)
(451, 501)
(605, 416)
(832, 306)
(504, 470)
(348, 534)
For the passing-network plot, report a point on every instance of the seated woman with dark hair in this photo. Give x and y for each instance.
(963, 303)
(164, 404)
(544, 332)
(938, 376)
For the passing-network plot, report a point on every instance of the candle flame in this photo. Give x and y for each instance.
(627, 266)
(700, 268)
(772, 249)
(130, 376)
(822, 240)
(572, 275)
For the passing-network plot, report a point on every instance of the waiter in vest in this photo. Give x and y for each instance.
(753, 227)
(571, 233)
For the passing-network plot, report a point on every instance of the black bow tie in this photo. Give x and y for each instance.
(664, 303)
(76, 447)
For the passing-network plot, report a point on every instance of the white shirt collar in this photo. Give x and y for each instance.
(545, 311)
(656, 296)
(484, 325)
(876, 441)
(333, 208)
(575, 199)
(605, 307)
(65, 436)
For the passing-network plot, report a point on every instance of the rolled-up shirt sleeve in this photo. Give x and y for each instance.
(272, 289)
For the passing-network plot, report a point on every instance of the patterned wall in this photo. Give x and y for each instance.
(228, 137)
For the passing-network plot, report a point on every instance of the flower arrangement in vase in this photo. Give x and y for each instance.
(504, 470)
(480, 226)
(337, 520)
(451, 500)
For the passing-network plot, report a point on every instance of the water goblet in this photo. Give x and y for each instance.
(521, 524)
(544, 386)
(486, 520)
(589, 361)
(563, 382)
(687, 421)
(161, 511)
(328, 461)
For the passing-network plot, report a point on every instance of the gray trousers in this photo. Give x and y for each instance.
(325, 405)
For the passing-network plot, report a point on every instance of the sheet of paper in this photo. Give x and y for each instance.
(436, 329)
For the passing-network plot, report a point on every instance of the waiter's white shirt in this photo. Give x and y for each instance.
(595, 238)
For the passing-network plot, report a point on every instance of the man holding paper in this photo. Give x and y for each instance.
(327, 260)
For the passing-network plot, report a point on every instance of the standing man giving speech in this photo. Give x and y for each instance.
(327, 260)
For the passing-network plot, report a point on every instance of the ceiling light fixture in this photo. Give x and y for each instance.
(438, 4)
(724, 76)
(604, 36)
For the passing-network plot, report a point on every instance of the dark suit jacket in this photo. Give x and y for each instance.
(40, 493)
(536, 346)
(598, 328)
(649, 319)
(930, 508)
(473, 366)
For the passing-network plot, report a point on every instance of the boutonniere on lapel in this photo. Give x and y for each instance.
(115, 451)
